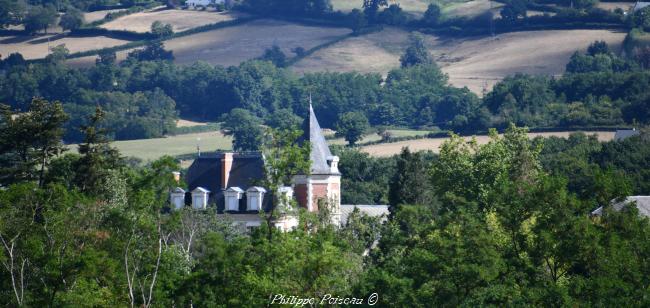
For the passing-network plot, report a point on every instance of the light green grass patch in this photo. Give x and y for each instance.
(152, 149)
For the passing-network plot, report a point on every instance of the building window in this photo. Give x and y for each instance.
(232, 196)
(177, 198)
(255, 196)
(200, 198)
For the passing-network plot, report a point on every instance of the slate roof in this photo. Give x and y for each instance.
(370, 210)
(247, 171)
(625, 133)
(642, 204)
(320, 151)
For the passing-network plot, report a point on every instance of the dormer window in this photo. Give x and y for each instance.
(177, 198)
(200, 198)
(333, 162)
(232, 196)
(255, 196)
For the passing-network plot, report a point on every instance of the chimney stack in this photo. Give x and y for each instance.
(226, 166)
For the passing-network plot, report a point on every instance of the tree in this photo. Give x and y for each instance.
(598, 47)
(153, 51)
(371, 8)
(514, 10)
(72, 19)
(245, 128)
(416, 53)
(98, 158)
(30, 140)
(58, 54)
(410, 184)
(39, 18)
(161, 30)
(431, 16)
(358, 20)
(393, 15)
(284, 119)
(352, 126)
(11, 12)
(284, 158)
(275, 55)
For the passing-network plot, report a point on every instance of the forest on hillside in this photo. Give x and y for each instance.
(144, 95)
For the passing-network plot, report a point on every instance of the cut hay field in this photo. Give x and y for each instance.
(233, 45)
(37, 47)
(475, 62)
(433, 144)
(180, 20)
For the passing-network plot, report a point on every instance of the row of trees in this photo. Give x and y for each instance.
(599, 89)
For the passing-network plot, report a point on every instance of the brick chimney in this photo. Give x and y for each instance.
(177, 176)
(226, 166)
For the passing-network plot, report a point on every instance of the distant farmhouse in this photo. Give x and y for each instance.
(202, 3)
(231, 182)
(622, 134)
(642, 203)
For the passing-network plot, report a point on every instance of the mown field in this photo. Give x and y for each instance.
(36, 47)
(151, 149)
(233, 45)
(433, 144)
(180, 20)
(475, 62)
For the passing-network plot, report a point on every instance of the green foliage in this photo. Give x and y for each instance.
(641, 19)
(152, 51)
(288, 8)
(29, 141)
(416, 53)
(11, 12)
(161, 30)
(39, 18)
(514, 10)
(72, 19)
(352, 126)
(275, 55)
(365, 178)
(432, 15)
(98, 159)
(393, 15)
(358, 20)
(245, 128)
(410, 183)
(284, 119)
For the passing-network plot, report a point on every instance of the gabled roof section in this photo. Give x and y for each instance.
(320, 151)
(235, 189)
(642, 204)
(178, 190)
(625, 133)
(247, 170)
(200, 190)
